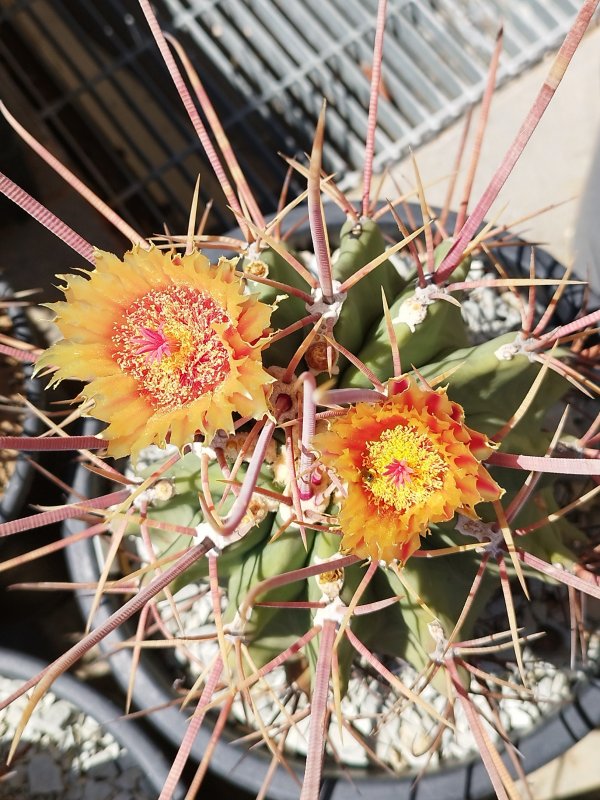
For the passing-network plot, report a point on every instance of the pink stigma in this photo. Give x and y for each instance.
(153, 343)
(398, 471)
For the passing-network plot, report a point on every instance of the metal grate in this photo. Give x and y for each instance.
(93, 76)
(284, 56)
(92, 73)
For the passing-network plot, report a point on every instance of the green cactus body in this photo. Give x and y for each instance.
(182, 508)
(270, 630)
(289, 309)
(230, 557)
(360, 243)
(384, 632)
(323, 586)
(556, 542)
(490, 389)
(442, 330)
(444, 591)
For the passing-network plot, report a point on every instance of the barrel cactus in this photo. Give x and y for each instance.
(349, 475)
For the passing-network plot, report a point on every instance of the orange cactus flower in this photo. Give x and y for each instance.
(171, 346)
(408, 461)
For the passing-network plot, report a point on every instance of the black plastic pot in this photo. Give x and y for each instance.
(15, 495)
(144, 752)
(246, 769)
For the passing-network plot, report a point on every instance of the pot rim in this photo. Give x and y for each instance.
(128, 733)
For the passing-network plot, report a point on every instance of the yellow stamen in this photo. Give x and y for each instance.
(196, 359)
(423, 467)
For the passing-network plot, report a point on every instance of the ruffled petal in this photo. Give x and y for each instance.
(170, 344)
(408, 462)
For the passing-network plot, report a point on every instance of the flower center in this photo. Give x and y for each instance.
(167, 341)
(153, 344)
(403, 468)
(399, 472)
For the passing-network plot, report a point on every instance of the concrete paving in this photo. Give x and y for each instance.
(561, 161)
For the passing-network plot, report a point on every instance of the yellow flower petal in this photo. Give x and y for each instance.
(171, 344)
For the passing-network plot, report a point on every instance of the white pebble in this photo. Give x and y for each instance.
(102, 766)
(57, 713)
